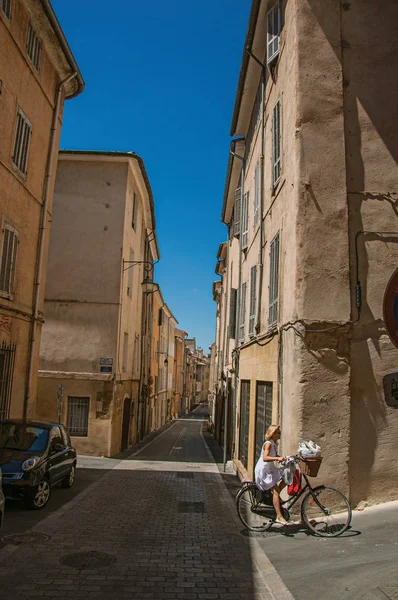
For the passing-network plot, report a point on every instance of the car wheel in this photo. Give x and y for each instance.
(39, 496)
(67, 482)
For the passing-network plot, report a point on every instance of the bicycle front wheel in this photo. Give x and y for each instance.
(326, 512)
(251, 512)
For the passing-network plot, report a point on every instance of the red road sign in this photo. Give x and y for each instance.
(390, 308)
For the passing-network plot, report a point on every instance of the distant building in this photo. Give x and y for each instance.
(96, 312)
(37, 74)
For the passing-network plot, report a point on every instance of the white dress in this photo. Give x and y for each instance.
(266, 474)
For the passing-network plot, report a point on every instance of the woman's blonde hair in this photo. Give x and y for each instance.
(270, 431)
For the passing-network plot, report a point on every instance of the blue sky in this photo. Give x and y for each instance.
(161, 80)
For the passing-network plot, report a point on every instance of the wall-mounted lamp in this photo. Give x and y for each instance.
(149, 286)
(148, 265)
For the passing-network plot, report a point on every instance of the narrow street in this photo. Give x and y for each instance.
(158, 524)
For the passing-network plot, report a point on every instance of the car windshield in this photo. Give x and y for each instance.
(23, 437)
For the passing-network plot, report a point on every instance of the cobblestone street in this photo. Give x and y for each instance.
(160, 524)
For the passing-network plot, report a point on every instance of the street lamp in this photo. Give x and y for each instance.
(149, 286)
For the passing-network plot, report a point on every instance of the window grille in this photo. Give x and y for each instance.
(274, 281)
(242, 313)
(5, 6)
(7, 360)
(256, 194)
(21, 143)
(78, 411)
(238, 200)
(273, 32)
(253, 299)
(8, 260)
(245, 220)
(276, 143)
(33, 48)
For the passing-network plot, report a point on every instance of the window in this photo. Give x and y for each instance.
(7, 359)
(125, 351)
(160, 317)
(244, 421)
(274, 281)
(33, 48)
(253, 299)
(5, 6)
(256, 194)
(21, 143)
(232, 313)
(130, 275)
(242, 313)
(245, 220)
(8, 260)
(238, 198)
(273, 33)
(276, 144)
(263, 413)
(78, 410)
(134, 214)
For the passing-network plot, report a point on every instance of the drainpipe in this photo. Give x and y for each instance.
(167, 369)
(261, 263)
(40, 249)
(238, 296)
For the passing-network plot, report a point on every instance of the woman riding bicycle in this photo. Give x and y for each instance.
(268, 477)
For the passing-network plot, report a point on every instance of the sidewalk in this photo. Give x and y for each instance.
(165, 532)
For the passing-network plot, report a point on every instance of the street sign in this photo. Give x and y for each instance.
(106, 365)
(390, 308)
(390, 386)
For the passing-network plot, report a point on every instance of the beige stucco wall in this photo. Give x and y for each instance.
(21, 197)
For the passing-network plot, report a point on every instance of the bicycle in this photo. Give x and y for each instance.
(324, 510)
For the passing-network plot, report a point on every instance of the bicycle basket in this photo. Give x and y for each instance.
(310, 466)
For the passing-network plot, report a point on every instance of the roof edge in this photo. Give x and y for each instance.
(48, 9)
(251, 28)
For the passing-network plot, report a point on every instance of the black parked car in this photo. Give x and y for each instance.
(34, 456)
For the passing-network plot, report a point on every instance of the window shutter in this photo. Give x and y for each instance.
(21, 143)
(276, 143)
(274, 281)
(8, 260)
(245, 221)
(232, 313)
(256, 193)
(5, 6)
(273, 32)
(253, 299)
(238, 199)
(33, 48)
(242, 313)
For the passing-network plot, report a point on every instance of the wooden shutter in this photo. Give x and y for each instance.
(253, 299)
(273, 32)
(256, 194)
(232, 313)
(8, 260)
(276, 143)
(238, 199)
(274, 281)
(242, 313)
(245, 220)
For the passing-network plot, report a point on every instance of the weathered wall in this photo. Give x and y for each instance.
(21, 197)
(369, 61)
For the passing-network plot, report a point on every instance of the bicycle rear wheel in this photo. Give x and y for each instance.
(252, 513)
(328, 514)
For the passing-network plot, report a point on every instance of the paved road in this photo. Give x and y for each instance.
(159, 524)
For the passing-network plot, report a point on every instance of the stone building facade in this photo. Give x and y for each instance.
(37, 74)
(311, 191)
(102, 249)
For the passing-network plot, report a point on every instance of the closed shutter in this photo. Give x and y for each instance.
(232, 313)
(263, 413)
(245, 220)
(274, 281)
(276, 143)
(256, 194)
(244, 421)
(238, 199)
(253, 299)
(33, 48)
(242, 313)
(8, 260)
(5, 6)
(21, 143)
